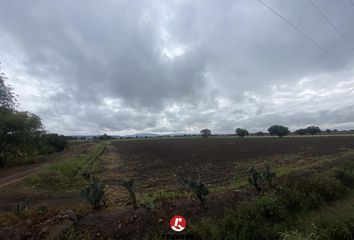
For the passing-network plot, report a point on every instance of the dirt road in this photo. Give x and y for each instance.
(15, 174)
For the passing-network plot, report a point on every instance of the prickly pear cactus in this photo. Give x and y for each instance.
(129, 185)
(255, 178)
(94, 193)
(198, 188)
(269, 175)
(22, 206)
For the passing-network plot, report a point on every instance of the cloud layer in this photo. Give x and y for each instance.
(177, 66)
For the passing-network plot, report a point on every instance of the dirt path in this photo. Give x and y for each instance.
(109, 171)
(15, 174)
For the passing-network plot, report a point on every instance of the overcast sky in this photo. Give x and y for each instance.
(121, 67)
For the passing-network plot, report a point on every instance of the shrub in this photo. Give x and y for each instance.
(198, 188)
(296, 235)
(345, 176)
(309, 193)
(129, 185)
(94, 193)
(52, 142)
(261, 218)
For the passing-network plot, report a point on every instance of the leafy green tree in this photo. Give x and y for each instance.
(241, 132)
(7, 97)
(313, 130)
(205, 133)
(52, 142)
(19, 133)
(278, 130)
(260, 134)
(309, 130)
(105, 137)
(301, 131)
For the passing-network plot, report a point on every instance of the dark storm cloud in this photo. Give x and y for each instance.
(123, 66)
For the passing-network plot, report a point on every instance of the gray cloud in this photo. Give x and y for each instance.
(122, 66)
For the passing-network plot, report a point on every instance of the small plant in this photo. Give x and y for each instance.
(22, 207)
(129, 185)
(255, 178)
(94, 193)
(268, 175)
(42, 209)
(198, 188)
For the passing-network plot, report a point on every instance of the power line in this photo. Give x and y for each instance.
(333, 26)
(306, 37)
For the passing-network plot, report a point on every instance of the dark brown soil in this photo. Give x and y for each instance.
(166, 163)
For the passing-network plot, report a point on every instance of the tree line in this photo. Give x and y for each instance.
(275, 130)
(22, 134)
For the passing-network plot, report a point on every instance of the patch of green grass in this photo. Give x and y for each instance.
(159, 196)
(8, 218)
(286, 214)
(284, 170)
(234, 185)
(67, 174)
(334, 221)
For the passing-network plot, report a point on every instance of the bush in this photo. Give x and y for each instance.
(309, 193)
(262, 218)
(52, 142)
(345, 176)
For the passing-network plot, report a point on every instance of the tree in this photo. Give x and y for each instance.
(259, 134)
(301, 131)
(19, 133)
(313, 130)
(7, 97)
(278, 130)
(241, 132)
(52, 142)
(205, 133)
(309, 130)
(105, 137)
